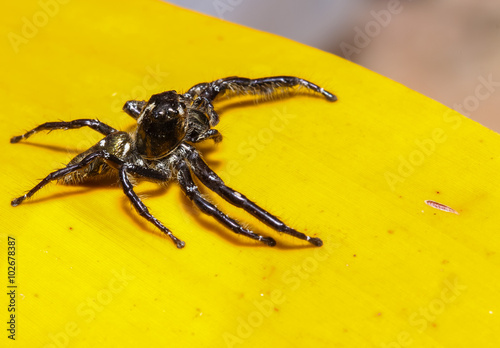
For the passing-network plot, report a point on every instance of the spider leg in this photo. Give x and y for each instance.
(134, 107)
(94, 124)
(70, 168)
(197, 89)
(199, 128)
(209, 134)
(191, 190)
(204, 105)
(127, 186)
(56, 175)
(210, 179)
(261, 86)
(141, 208)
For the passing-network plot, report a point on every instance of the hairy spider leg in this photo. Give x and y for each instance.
(141, 208)
(56, 175)
(127, 186)
(81, 164)
(263, 86)
(205, 105)
(211, 180)
(209, 134)
(94, 124)
(192, 192)
(134, 107)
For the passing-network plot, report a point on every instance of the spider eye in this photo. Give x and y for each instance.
(162, 113)
(172, 112)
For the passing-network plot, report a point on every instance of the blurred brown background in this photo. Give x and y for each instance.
(448, 50)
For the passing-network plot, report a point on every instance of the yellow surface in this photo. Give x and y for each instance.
(394, 272)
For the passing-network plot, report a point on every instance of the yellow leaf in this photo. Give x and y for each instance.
(393, 272)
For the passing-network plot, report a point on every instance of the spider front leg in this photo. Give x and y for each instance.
(261, 86)
(210, 179)
(209, 134)
(134, 107)
(193, 193)
(94, 124)
(204, 105)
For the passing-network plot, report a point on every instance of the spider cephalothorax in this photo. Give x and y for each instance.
(161, 126)
(161, 149)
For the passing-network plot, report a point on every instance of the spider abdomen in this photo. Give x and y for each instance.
(117, 143)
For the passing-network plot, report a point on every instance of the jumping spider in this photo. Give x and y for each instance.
(160, 149)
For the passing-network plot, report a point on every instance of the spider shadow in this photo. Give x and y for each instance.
(83, 188)
(206, 148)
(230, 103)
(56, 196)
(55, 148)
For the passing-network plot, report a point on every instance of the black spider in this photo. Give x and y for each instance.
(160, 149)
